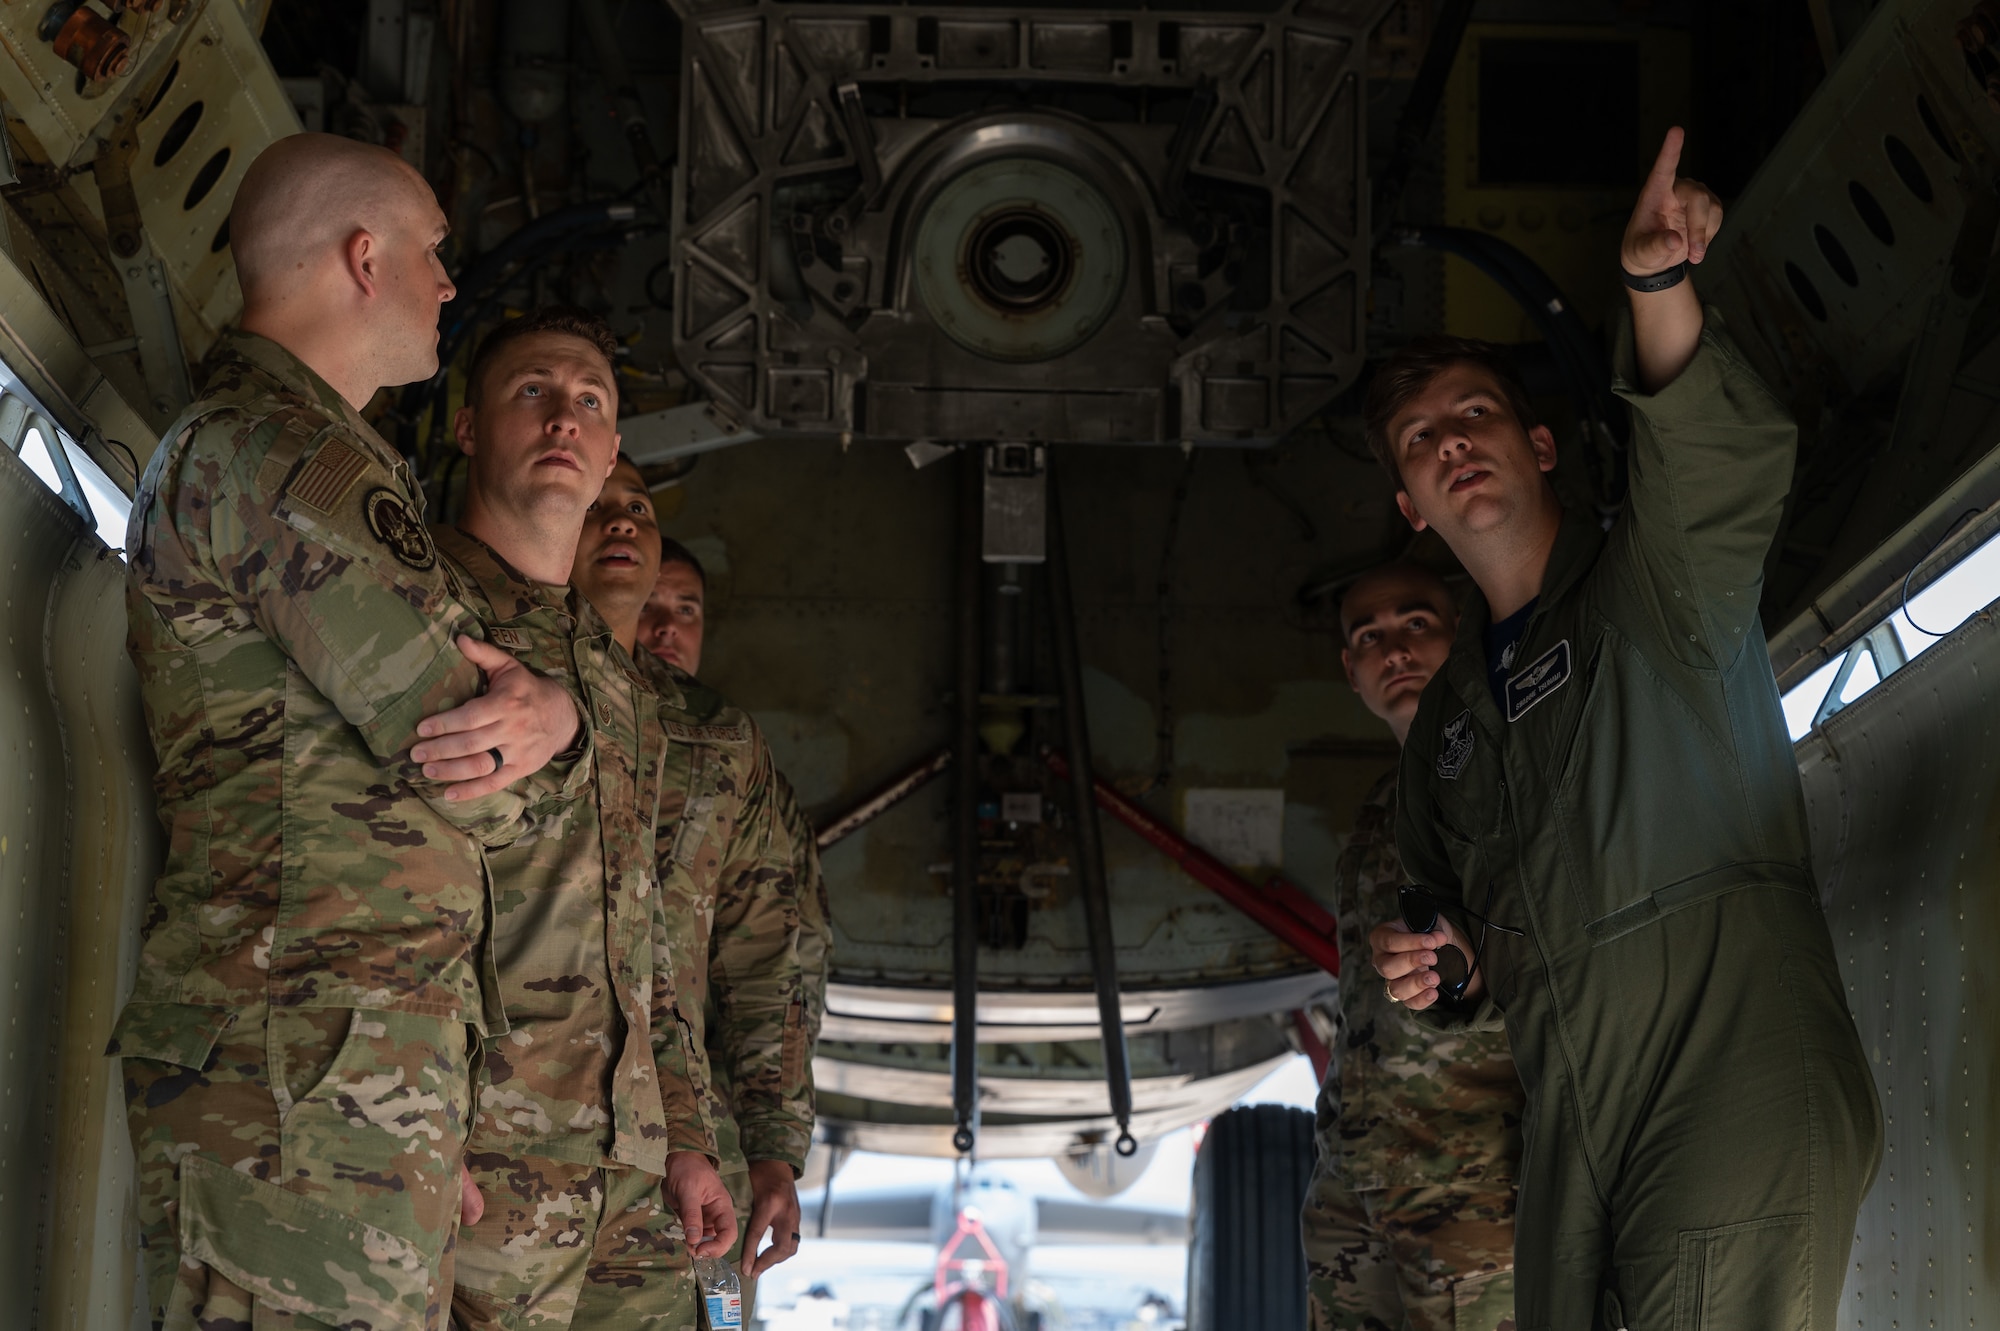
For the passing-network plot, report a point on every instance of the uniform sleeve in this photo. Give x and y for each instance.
(815, 916)
(1711, 464)
(680, 1059)
(757, 977)
(369, 621)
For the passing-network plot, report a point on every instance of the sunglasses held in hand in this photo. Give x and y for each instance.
(1419, 908)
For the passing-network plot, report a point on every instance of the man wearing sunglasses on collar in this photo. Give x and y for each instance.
(1602, 762)
(1409, 1219)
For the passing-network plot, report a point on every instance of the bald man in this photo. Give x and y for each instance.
(336, 749)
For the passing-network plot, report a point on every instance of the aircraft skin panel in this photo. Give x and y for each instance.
(1903, 792)
(78, 848)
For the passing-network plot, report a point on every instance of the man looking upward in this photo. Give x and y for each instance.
(591, 1141)
(298, 1044)
(1409, 1220)
(1602, 763)
(753, 932)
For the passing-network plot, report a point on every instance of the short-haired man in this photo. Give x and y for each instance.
(298, 1045)
(1602, 763)
(756, 941)
(1409, 1220)
(595, 1160)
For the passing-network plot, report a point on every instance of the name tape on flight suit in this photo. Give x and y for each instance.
(1549, 672)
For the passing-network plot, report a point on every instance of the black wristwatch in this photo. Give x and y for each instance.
(1660, 281)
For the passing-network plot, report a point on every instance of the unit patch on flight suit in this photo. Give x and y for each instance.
(1457, 746)
(1549, 672)
(389, 518)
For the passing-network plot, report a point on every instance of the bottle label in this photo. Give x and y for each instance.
(725, 1312)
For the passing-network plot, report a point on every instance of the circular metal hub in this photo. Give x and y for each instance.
(1019, 259)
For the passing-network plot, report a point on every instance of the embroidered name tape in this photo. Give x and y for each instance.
(1548, 672)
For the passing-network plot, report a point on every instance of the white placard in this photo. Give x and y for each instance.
(1242, 828)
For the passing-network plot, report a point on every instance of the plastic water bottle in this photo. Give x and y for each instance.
(721, 1293)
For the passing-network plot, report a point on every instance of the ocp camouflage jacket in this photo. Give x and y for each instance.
(291, 625)
(731, 923)
(575, 1076)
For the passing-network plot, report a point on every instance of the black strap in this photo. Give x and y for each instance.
(1661, 281)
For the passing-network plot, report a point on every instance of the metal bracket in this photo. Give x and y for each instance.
(678, 432)
(1016, 498)
(148, 295)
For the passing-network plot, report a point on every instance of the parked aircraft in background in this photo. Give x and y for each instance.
(984, 1227)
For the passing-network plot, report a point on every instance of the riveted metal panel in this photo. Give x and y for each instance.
(92, 1276)
(1903, 790)
(75, 862)
(1833, 252)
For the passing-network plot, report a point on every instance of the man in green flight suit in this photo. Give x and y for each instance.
(314, 978)
(1602, 763)
(755, 941)
(1409, 1220)
(591, 1142)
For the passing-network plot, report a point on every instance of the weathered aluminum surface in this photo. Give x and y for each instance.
(78, 850)
(1876, 151)
(863, 1012)
(213, 103)
(1003, 1140)
(815, 294)
(1903, 790)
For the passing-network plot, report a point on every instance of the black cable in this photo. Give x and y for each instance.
(1578, 357)
(652, 275)
(1163, 591)
(1903, 601)
(130, 456)
(1427, 90)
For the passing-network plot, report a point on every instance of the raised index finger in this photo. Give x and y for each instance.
(1660, 180)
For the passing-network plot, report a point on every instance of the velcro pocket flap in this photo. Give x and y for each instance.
(299, 1255)
(184, 1034)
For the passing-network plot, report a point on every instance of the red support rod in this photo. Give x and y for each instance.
(1216, 876)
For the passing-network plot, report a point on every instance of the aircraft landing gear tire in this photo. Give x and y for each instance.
(1246, 1267)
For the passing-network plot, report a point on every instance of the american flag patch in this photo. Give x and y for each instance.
(328, 475)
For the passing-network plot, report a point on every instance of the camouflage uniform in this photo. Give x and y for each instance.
(733, 927)
(1411, 1209)
(570, 1100)
(815, 951)
(297, 1047)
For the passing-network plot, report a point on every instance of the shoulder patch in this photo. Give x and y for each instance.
(1457, 748)
(389, 517)
(1549, 672)
(327, 476)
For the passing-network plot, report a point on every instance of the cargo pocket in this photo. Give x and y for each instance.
(299, 1255)
(379, 1135)
(1483, 1302)
(1754, 1274)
